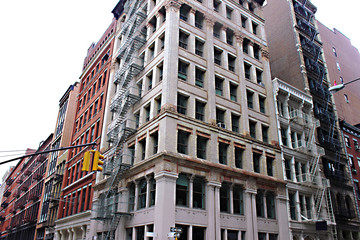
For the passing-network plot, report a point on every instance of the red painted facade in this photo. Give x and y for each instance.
(76, 195)
(22, 196)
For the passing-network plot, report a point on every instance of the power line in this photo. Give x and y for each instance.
(13, 151)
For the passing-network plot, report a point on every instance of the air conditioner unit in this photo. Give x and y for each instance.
(222, 125)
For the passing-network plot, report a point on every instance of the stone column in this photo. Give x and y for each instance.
(231, 196)
(136, 195)
(83, 230)
(192, 16)
(70, 234)
(213, 209)
(250, 211)
(147, 204)
(165, 203)
(169, 96)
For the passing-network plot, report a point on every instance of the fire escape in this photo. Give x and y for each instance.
(326, 120)
(121, 127)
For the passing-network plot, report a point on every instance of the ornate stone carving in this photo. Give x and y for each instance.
(173, 5)
(265, 52)
(168, 107)
(210, 20)
(239, 37)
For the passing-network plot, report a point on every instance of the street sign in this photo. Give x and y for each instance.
(151, 234)
(176, 229)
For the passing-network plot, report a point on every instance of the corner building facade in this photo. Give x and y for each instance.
(191, 138)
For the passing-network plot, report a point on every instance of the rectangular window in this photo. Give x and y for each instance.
(217, 56)
(182, 146)
(151, 52)
(228, 12)
(220, 117)
(265, 135)
(256, 162)
(143, 148)
(235, 123)
(269, 166)
(182, 190)
(201, 143)
(260, 211)
(147, 113)
(198, 193)
(231, 63)
(270, 205)
(182, 104)
(243, 21)
(198, 233)
(259, 76)
(183, 39)
(254, 27)
(158, 104)
(223, 153)
(225, 197)
(233, 92)
(238, 157)
(262, 236)
(288, 169)
(247, 68)
(284, 136)
(238, 200)
(161, 70)
(256, 49)
(250, 99)
(292, 206)
(347, 141)
(273, 236)
(199, 19)
(199, 77)
(219, 86)
(262, 104)
(199, 47)
(155, 139)
(252, 128)
(152, 191)
(229, 37)
(142, 194)
(150, 80)
(183, 68)
(199, 110)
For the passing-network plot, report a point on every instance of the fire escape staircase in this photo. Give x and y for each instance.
(121, 128)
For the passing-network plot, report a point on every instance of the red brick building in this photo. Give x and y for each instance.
(76, 196)
(352, 140)
(20, 207)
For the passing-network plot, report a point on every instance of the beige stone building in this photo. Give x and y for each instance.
(192, 138)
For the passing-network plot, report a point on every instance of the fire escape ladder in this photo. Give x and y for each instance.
(122, 127)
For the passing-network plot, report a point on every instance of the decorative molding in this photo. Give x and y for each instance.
(210, 21)
(265, 52)
(173, 5)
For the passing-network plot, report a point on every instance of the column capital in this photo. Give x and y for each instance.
(239, 37)
(173, 5)
(214, 184)
(210, 21)
(265, 52)
(192, 10)
(251, 43)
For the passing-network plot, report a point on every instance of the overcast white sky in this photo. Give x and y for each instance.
(42, 47)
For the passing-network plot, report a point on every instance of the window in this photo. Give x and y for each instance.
(256, 162)
(183, 67)
(256, 51)
(182, 104)
(147, 113)
(201, 143)
(260, 211)
(346, 98)
(338, 66)
(229, 36)
(269, 166)
(199, 110)
(270, 205)
(292, 206)
(265, 130)
(231, 62)
(142, 194)
(198, 193)
(199, 77)
(228, 12)
(238, 200)
(217, 56)
(152, 51)
(198, 233)
(152, 191)
(251, 7)
(262, 236)
(247, 68)
(357, 189)
(137, 120)
(250, 99)
(284, 136)
(254, 27)
(238, 157)
(262, 104)
(216, 30)
(334, 51)
(95, 106)
(243, 21)
(162, 43)
(252, 128)
(245, 45)
(199, 19)
(183, 39)
(259, 77)
(142, 144)
(184, 12)
(288, 169)
(223, 153)
(225, 197)
(235, 123)
(161, 70)
(182, 190)
(218, 86)
(216, 5)
(158, 104)
(347, 141)
(182, 145)
(155, 140)
(139, 86)
(199, 47)
(356, 144)
(150, 80)
(220, 117)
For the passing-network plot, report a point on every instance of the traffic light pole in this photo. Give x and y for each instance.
(48, 151)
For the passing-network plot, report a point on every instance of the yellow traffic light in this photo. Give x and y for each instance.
(86, 162)
(97, 161)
